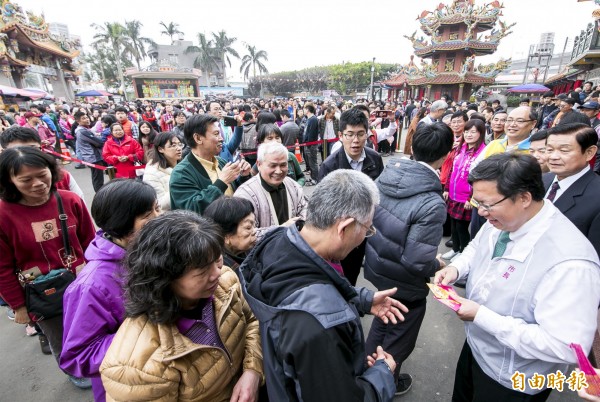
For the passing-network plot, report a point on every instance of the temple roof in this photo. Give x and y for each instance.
(452, 78)
(461, 12)
(476, 46)
(31, 29)
(396, 81)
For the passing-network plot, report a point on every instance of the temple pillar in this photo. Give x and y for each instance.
(60, 87)
(461, 88)
(428, 92)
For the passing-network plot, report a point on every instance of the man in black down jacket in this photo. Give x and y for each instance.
(354, 126)
(402, 254)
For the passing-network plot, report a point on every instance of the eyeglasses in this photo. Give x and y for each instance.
(517, 121)
(485, 207)
(370, 229)
(176, 145)
(359, 135)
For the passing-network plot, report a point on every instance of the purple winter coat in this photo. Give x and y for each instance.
(93, 312)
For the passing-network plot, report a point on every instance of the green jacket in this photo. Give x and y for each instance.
(190, 187)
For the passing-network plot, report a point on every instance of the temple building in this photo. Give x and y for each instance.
(165, 79)
(26, 44)
(456, 34)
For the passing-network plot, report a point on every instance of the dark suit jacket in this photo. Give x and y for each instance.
(581, 204)
(372, 165)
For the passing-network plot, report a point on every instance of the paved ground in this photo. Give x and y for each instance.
(28, 375)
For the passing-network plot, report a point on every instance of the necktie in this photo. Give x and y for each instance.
(501, 243)
(553, 191)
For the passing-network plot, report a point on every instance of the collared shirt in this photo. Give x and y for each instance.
(200, 325)
(279, 199)
(565, 183)
(212, 168)
(437, 173)
(356, 165)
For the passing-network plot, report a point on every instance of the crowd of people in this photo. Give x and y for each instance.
(209, 275)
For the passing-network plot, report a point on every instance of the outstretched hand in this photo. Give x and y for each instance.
(386, 308)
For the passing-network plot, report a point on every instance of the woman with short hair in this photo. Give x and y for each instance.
(122, 151)
(93, 304)
(235, 216)
(189, 333)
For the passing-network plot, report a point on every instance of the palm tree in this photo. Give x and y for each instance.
(224, 49)
(253, 59)
(113, 34)
(207, 56)
(170, 30)
(137, 42)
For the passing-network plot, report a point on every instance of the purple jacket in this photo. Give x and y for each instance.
(458, 187)
(93, 312)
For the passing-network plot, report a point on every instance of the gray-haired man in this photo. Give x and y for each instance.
(436, 111)
(312, 339)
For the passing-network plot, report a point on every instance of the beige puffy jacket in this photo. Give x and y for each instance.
(154, 362)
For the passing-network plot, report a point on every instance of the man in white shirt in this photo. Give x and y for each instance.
(533, 286)
(437, 110)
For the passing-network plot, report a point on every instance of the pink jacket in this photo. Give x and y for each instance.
(458, 186)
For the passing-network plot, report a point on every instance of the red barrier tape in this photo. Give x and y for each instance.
(100, 167)
(305, 144)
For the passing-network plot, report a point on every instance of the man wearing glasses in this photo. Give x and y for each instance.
(402, 253)
(354, 126)
(519, 124)
(312, 338)
(533, 286)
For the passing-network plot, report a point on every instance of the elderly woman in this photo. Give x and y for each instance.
(122, 151)
(235, 216)
(189, 333)
(93, 305)
(165, 155)
(31, 241)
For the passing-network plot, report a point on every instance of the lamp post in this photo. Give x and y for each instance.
(372, 74)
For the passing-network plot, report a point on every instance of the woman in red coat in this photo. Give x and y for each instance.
(121, 151)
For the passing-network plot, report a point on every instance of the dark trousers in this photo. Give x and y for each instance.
(460, 234)
(53, 329)
(98, 176)
(383, 146)
(471, 384)
(311, 161)
(447, 226)
(353, 262)
(477, 222)
(394, 145)
(399, 339)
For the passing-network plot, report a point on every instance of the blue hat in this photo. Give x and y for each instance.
(590, 105)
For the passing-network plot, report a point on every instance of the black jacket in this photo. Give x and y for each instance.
(372, 165)
(311, 132)
(312, 339)
(581, 204)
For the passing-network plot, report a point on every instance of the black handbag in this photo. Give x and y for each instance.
(44, 294)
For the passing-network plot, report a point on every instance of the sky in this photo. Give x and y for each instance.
(307, 33)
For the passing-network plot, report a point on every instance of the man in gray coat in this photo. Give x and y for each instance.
(402, 253)
(289, 129)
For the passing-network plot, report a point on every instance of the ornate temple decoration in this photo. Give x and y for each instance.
(453, 35)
